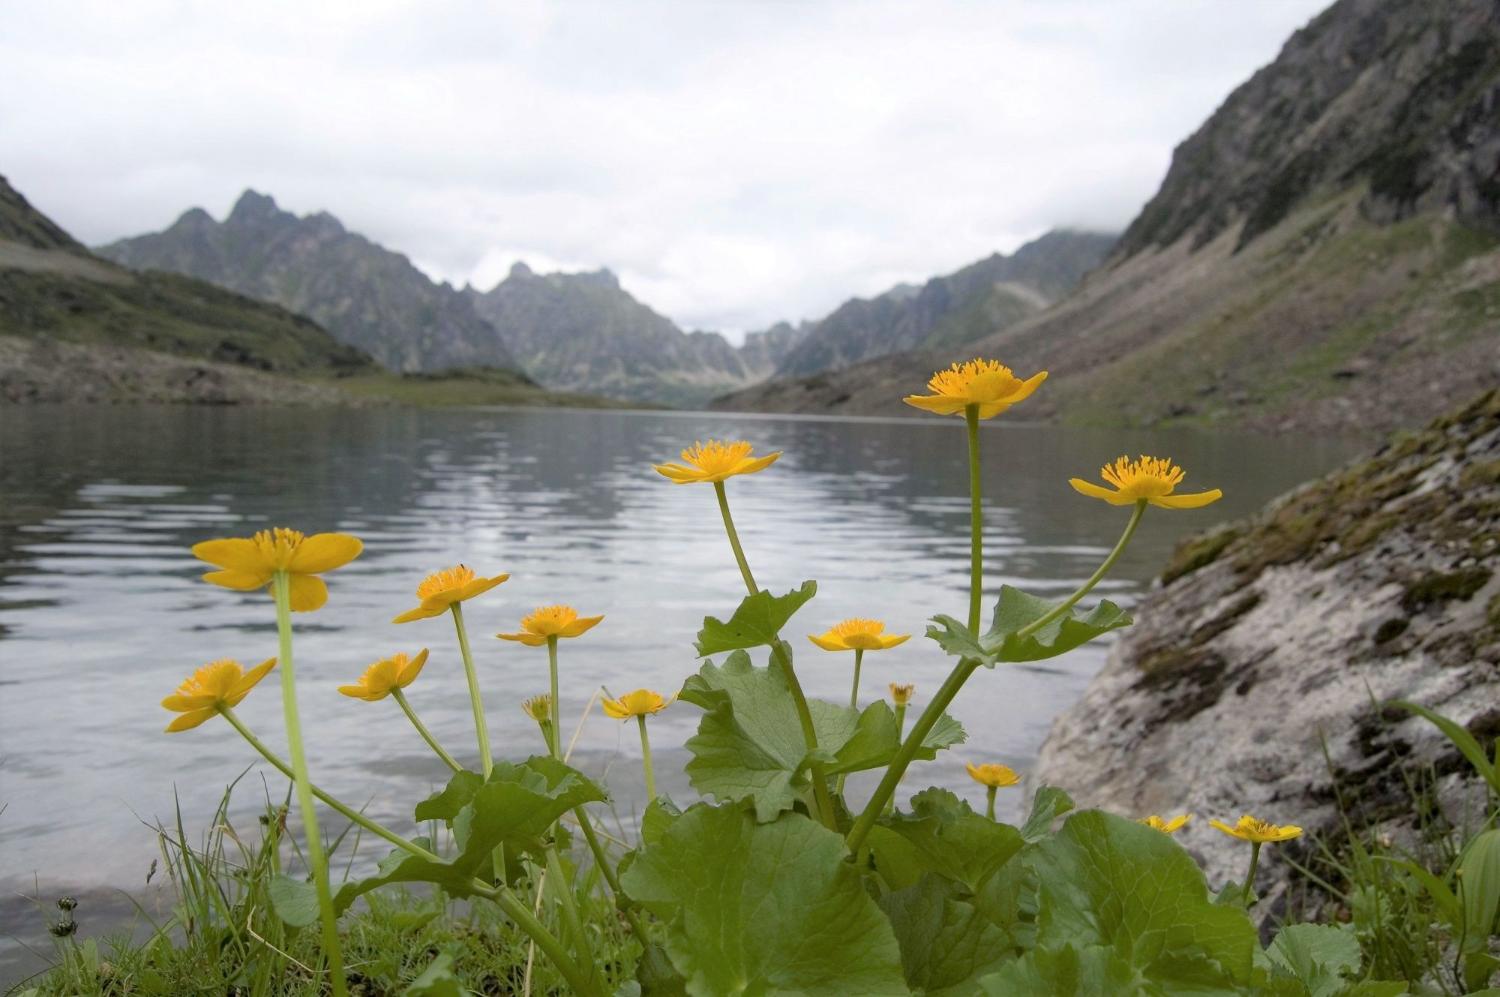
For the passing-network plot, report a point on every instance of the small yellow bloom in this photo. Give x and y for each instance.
(1150, 479)
(715, 461)
(539, 708)
(858, 635)
(1258, 831)
(247, 564)
(993, 776)
(388, 674)
(1169, 826)
(551, 621)
(441, 589)
(640, 703)
(217, 684)
(901, 694)
(988, 384)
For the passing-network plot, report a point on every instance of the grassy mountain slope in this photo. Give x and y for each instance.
(1324, 252)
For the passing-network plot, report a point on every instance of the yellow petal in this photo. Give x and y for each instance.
(679, 474)
(1196, 500)
(616, 710)
(323, 552)
(1099, 492)
(308, 593)
(1233, 832)
(412, 670)
(245, 684)
(940, 404)
(757, 464)
(886, 643)
(179, 703)
(580, 626)
(480, 586)
(529, 639)
(237, 555)
(420, 613)
(1027, 387)
(240, 581)
(190, 720)
(829, 643)
(354, 691)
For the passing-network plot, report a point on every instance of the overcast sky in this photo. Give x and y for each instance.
(734, 163)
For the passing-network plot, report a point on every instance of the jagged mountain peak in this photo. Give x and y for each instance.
(253, 206)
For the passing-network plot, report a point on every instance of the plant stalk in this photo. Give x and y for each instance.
(989, 801)
(1250, 876)
(481, 731)
(976, 519)
(317, 860)
(556, 710)
(646, 761)
(411, 715)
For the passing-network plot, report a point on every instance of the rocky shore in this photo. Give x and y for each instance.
(1258, 676)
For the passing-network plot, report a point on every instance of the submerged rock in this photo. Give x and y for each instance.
(1257, 678)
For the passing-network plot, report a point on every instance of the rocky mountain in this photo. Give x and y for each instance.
(1324, 252)
(70, 321)
(364, 294)
(583, 331)
(1256, 679)
(763, 351)
(952, 310)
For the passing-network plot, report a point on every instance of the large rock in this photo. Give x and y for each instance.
(1256, 680)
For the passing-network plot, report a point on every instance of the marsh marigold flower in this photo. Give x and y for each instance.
(715, 461)
(551, 621)
(246, 564)
(993, 776)
(441, 589)
(640, 703)
(858, 635)
(1168, 826)
(216, 685)
(988, 384)
(1150, 479)
(901, 694)
(538, 708)
(1258, 831)
(386, 675)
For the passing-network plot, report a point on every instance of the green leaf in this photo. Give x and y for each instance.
(942, 835)
(444, 806)
(658, 816)
(750, 743)
(1066, 971)
(758, 908)
(437, 980)
(516, 808)
(757, 621)
(947, 939)
(1461, 738)
(295, 901)
(398, 855)
(1105, 880)
(1047, 805)
(1016, 610)
(1479, 872)
(1318, 955)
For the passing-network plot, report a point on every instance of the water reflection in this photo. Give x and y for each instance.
(101, 613)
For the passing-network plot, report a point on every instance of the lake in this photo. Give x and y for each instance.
(102, 613)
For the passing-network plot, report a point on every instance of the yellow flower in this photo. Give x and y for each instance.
(988, 384)
(901, 694)
(1258, 831)
(640, 703)
(441, 589)
(858, 635)
(551, 621)
(217, 684)
(247, 564)
(1169, 826)
(539, 708)
(1150, 479)
(386, 675)
(993, 776)
(715, 461)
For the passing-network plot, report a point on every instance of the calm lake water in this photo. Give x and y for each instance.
(102, 613)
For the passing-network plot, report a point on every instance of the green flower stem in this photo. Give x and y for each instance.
(989, 802)
(601, 859)
(890, 805)
(646, 760)
(481, 731)
(1062, 608)
(955, 681)
(556, 707)
(1250, 876)
(569, 906)
(784, 660)
(517, 911)
(281, 588)
(859, 657)
(976, 519)
(422, 729)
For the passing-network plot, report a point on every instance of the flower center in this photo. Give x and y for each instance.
(279, 545)
(549, 620)
(445, 581)
(859, 627)
(715, 457)
(214, 679)
(1149, 477)
(976, 380)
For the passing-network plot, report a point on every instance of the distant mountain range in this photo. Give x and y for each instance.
(1323, 253)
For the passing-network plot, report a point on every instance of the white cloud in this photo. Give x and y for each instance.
(735, 163)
